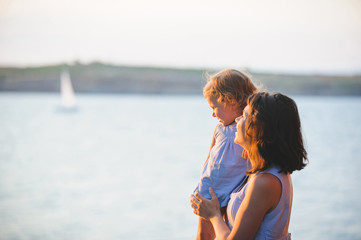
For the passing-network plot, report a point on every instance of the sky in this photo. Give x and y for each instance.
(313, 36)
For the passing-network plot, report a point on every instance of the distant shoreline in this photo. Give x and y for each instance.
(107, 78)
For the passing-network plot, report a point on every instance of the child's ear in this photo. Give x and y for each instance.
(232, 102)
(235, 105)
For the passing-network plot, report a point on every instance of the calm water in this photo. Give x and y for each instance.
(123, 166)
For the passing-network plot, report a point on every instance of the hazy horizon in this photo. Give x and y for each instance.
(313, 37)
(211, 69)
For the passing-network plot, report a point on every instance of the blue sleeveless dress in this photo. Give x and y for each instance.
(275, 223)
(225, 167)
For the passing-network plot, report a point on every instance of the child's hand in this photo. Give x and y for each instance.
(203, 207)
(245, 154)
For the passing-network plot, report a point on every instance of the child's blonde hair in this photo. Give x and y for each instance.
(230, 86)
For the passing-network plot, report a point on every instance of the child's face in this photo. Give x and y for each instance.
(225, 113)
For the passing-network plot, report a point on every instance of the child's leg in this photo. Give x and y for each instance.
(205, 227)
(205, 230)
(224, 214)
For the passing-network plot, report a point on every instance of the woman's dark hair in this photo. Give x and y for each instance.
(274, 130)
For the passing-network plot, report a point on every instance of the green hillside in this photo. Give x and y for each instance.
(106, 78)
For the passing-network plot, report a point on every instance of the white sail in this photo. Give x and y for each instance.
(67, 92)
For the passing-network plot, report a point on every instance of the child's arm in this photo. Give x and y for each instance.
(209, 153)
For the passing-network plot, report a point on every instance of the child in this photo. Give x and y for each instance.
(226, 92)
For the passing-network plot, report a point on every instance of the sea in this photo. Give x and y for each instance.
(123, 167)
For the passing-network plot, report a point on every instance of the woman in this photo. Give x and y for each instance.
(270, 131)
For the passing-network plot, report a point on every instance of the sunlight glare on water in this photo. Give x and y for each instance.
(123, 167)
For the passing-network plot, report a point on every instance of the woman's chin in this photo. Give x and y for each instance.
(236, 141)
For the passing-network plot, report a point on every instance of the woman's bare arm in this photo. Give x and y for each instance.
(262, 196)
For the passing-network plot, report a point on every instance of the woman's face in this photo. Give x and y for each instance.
(241, 133)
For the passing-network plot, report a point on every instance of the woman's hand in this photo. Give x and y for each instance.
(205, 208)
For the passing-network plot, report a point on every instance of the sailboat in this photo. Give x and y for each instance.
(68, 101)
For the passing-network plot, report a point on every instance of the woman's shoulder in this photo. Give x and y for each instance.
(275, 171)
(265, 180)
(267, 188)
